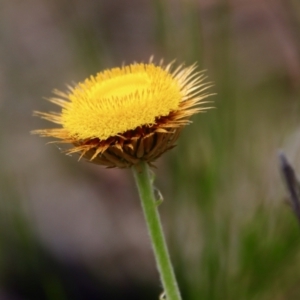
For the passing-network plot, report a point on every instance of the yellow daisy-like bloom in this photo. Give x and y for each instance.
(126, 115)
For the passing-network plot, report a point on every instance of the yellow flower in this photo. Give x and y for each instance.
(126, 115)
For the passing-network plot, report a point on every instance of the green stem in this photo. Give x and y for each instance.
(149, 205)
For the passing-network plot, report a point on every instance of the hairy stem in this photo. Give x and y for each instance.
(150, 209)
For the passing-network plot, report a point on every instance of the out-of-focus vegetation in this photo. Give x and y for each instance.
(72, 230)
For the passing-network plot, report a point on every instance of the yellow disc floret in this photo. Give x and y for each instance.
(120, 99)
(126, 115)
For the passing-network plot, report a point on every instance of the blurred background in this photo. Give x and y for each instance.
(73, 230)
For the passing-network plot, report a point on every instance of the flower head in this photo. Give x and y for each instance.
(126, 115)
